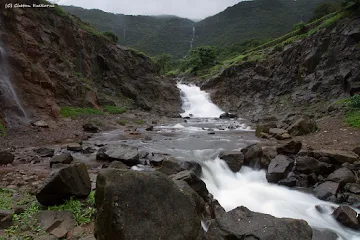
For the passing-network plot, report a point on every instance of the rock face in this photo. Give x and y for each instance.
(71, 181)
(74, 67)
(131, 205)
(234, 160)
(6, 158)
(124, 153)
(241, 223)
(279, 168)
(317, 69)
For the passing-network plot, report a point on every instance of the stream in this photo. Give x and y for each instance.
(189, 140)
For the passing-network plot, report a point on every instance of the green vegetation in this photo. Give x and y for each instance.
(74, 112)
(114, 109)
(5, 199)
(91, 198)
(140, 122)
(111, 36)
(163, 62)
(352, 105)
(82, 214)
(353, 118)
(354, 101)
(324, 9)
(122, 122)
(3, 131)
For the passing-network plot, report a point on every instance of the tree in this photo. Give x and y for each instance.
(200, 58)
(323, 9)
(163, 62)
(111, 36)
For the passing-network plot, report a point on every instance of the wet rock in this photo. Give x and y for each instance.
(342, 176)
(195, 197)
(352, 187)
(233, 159)
(279, 168)
(347, 217)
(228, 116)
(6, 218)
(264, 135)
(191, 166)
(6, 157)
(337, 156)
(288, 182)
(40, 124)
(88, 150)
(292, 147)
(45, 152)
(194, 182)
(124, 197)
(252, 155)
(264, 128)
(324, 234)
(61, 185)
(170, 166)
(64, 158)
(327, 190)
(308, 165)
(357, 151)
(57, 223)
(74, 147)
(150, 129)
(303, 126)
(127, 154)
(118, 165)
(91, 128)
(241, 223)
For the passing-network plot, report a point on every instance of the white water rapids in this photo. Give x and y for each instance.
(249, 187)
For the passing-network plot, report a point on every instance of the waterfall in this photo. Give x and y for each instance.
(9, 101)
(193, 38)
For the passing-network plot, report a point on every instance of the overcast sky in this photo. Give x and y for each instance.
(193, 9)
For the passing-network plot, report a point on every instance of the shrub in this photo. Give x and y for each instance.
(140, 122)
(73, 112)
(122, 122)
(114, 109)
(111, 36)
(353, 118)
(354, 101)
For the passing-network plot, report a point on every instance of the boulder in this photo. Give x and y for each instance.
(228, 115)
(303, 126)
(252, 155)
(40, 124)
(57, 223)
(45, 152)
(64, 158)
(241, 223)
(6, 218)
(143, 205)
(194, 182)
(150, 128)
(61, 185)
(91, 128)
(342, 176)
(337, 156)
(6, 157)
(327, 190)
(118, 165)
(347, 217)
(292, 147)
(353, 188)
(74, 147)
(279, 133)
(127, 154)
(279, 168)
(308, 165)
(170, 166)
(264, 128)
(233, 159)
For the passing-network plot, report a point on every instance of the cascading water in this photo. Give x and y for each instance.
(197, 103)
(10, 103)
(193, 38)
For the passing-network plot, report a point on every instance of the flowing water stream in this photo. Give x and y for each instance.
(190, 141)
(13, 109)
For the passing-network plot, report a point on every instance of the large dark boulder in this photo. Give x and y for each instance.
(241, 223)
(292, 147)
(65, 158)
(303, 126)
(233, 159)
(61, 185)
(228, 115)
(194, 182)
(6, 157)
(327, 190)
(336, 156)
(342, 176)
(143, 205)
(127, 154)
(279, 168)
(308, 165)
(252, 156)
(91, 128)
(347, 217)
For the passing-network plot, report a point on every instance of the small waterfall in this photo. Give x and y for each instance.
(193, 38)
(9, 101)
